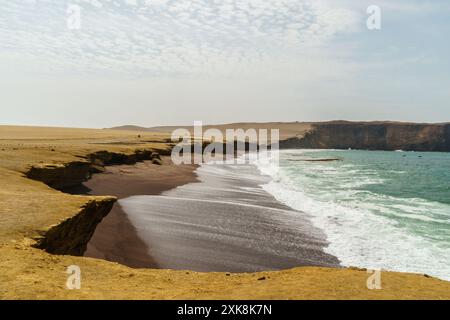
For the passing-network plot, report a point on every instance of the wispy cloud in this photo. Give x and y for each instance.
(148, 61)
(167, 37)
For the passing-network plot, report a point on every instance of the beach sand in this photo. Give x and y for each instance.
(224, 222)
(115, 238)
(30, 209)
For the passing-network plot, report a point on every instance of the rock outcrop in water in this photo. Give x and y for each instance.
(373, 136)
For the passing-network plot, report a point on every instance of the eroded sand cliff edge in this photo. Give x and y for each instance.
(35, 214)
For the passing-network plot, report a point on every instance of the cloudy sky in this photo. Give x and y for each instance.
(156, 62)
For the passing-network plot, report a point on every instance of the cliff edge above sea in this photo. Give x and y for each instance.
(375, 135)
(44, 230)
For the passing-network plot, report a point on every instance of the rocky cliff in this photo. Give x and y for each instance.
(64, 176)
(71, 236)
(373, 136)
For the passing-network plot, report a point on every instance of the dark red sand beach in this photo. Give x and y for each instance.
(115, 238)
(225, 222)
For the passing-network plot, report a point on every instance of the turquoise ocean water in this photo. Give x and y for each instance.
(380, 210)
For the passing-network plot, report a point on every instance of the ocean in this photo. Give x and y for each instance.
(378, 209)
(370, 209)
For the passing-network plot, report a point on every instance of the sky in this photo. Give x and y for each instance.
(103, 63)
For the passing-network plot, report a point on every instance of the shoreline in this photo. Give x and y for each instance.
(115, 238)
(151, 228)
(124, 240)
(31, 209)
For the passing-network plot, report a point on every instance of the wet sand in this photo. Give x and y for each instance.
(226, 222)
(115, 238)
(215, 219)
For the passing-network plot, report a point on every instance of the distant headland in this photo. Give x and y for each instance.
(375, 135)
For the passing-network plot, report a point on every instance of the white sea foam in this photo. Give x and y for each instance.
(358, 224)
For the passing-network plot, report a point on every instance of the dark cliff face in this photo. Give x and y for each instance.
(447, 137)
(374, 136)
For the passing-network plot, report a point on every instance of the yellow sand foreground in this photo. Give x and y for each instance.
(29, 208)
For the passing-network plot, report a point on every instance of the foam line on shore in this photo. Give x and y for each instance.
(227, 222)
